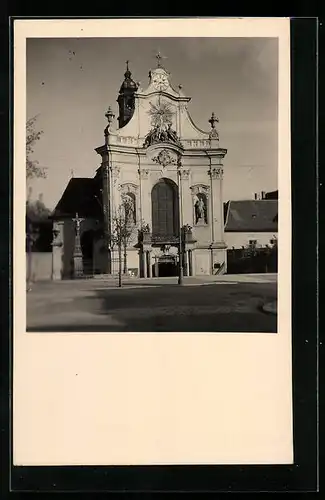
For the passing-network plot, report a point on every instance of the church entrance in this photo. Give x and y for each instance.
(165, 266)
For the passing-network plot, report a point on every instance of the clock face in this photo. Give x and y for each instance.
(160, 81)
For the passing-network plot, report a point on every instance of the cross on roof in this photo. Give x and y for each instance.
(159, 57)
(127, 64)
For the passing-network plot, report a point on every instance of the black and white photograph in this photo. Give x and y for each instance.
(152, 184)
(152, 251)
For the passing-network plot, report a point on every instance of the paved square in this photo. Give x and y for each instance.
(154, 305)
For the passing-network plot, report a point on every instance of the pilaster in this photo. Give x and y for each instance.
(145, 198)
(216, 176)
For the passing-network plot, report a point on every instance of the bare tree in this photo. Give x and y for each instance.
(32, 136)
(122, 230)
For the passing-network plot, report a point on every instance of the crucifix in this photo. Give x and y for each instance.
(77, 254)
(77, 220)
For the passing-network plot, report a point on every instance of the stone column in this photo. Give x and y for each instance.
(149, 264)
(186, 258)
(144, 264)
(114, 172)
(186, 196)
(77, 252)
(190, 263)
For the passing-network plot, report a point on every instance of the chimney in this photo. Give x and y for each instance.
(263, 195)
(255, 196)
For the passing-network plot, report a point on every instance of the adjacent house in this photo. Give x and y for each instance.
(252, 222)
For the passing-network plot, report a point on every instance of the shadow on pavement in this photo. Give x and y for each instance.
(223, 322)
(163, 311)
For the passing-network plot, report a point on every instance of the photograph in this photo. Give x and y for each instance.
(152, 242)
(152, 184)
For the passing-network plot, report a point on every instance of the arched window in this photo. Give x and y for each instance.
(165, 211)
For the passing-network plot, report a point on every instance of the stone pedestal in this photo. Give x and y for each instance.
(77, 259)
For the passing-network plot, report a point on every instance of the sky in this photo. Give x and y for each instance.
(236, 78)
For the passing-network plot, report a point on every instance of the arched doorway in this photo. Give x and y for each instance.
(165, 225)
(165, 210)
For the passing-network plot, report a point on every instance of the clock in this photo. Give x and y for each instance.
(160, 81)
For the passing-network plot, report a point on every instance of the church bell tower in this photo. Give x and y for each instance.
(126, 98)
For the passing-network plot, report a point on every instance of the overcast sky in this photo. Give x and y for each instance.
(234, 77)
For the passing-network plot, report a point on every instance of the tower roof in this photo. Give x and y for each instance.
(129, 83)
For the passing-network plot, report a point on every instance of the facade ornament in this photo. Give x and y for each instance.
(162, 134)
(213, 133)
(184, 173)
(109, 115)
(145, 228)
(115, 174)
(161, 116)
(216, 172)
(200, 188)
(166, 249)
(128, 187)
(143, 173)
(187, 228)
(164, 158)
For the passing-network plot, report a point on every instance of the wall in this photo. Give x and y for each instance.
(238, 240)
(41, 264)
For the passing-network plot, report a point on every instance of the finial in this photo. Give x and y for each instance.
(213, 120)
(72, 173)
(109, 115)
(213, 133)
(127, 65)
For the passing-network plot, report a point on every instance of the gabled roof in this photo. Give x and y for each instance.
(251, 216)
(79, 196)
(272, 195)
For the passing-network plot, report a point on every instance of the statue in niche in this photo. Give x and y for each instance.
(200, 209)
(129, 207)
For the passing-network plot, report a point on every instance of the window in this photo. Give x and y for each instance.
(164, 208)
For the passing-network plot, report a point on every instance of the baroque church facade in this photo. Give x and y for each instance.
(169, 175)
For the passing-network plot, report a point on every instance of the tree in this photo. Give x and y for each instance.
(122, 230)
(36, 211)
(37, 216)
(32, 136)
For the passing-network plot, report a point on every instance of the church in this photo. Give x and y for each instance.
(166, 174)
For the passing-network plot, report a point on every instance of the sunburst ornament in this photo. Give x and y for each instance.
(161, 115)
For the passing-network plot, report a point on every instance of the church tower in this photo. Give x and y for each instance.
(126, 98)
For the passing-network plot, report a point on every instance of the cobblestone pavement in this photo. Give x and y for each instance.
(95, 305)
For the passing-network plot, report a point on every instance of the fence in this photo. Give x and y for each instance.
(259, 260)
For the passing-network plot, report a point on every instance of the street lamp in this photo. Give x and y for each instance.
(180, 224)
